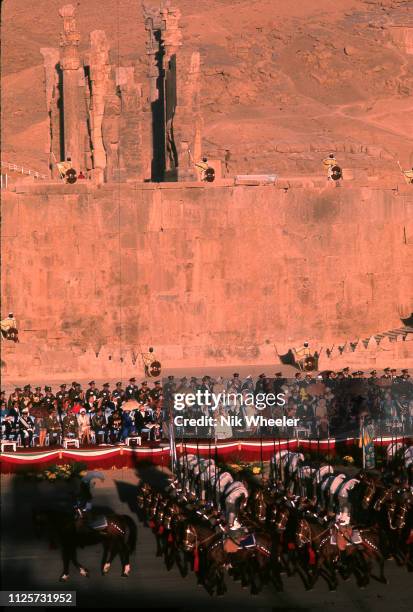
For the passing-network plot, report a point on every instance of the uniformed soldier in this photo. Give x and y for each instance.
(234, 384)
(386, 374)
(202, 166)
(151, 364)
(61, 396)
(156, 392)
(118, 392)
(66, 170)
(131, 389)
(25, 424)
(105, 393)
(48, 399)
(142, 394)
(169, 387)
(37, 400)
(91, 391)
(27, 391)
(14, 397)
(329, 162)
(53, 426)
(76, 393)
(70, 426)
(9, 328)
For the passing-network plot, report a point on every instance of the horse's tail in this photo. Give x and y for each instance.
(131, 542)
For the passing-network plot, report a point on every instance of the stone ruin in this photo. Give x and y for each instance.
(113, 127)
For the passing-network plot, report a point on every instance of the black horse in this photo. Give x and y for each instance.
(69, 530)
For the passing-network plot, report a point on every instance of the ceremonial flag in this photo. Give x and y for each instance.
(367, 443)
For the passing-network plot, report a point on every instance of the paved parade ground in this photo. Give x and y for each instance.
(28, 563)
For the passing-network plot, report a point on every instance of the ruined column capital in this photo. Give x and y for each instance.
(69, 39)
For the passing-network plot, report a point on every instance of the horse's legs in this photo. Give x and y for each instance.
(66, 562)
(124, 558)
(105, 565)
(221, 586)
(72, 554)
(111, 550)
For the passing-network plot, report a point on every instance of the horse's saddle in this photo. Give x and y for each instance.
(236, 541)
(96, 523)
(346, 536)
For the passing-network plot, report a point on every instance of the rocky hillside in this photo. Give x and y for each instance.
(282, 84)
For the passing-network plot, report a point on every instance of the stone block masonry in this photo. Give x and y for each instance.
(206, 274)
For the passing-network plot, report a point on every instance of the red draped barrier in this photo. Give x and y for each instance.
(118, 457)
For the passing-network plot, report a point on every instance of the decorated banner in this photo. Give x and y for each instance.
(367, 443)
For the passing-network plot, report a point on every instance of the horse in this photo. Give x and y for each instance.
(213, 553)
(116, 532)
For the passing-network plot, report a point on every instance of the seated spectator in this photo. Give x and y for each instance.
(128, 425)
(9, 429)
(114, 427)
(84, 426)
(25, 425)
(70, 426)
(41, 430)
(98, 423)
(53, 426)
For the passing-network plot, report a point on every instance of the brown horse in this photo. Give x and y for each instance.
(326, 557)
(117, 533)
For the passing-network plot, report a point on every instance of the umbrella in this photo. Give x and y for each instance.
(317, 388)
(130, 405)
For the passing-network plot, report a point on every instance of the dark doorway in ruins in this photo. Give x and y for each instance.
(61, 113)
(165, 158)
(170, 107)
(158, 117)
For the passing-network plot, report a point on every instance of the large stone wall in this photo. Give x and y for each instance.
(205, 274)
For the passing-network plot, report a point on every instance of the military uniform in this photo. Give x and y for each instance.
(61, 397)
(53, 426)
(91, 391)
(118, 393)
(156, 392)
(70, 426)
(142, 394)
(48, 399)
(131, 390)
(76, 394)
(105, 394)
(329, 162)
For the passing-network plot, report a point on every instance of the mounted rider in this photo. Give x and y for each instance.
(342, 532)
(83, 506)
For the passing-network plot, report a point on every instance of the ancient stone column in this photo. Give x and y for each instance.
(188, 121)
(70, 64)
(99, 73)
(130, 127)
(51, 67)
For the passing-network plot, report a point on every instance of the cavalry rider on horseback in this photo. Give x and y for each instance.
(83, 506)
(343, 534)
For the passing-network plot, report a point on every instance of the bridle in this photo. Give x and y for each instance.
(260, 506)
(369, 494)
(382, 499)
(281, 523)
(303, 535)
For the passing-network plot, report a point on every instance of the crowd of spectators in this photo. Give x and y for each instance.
(326, 404)
(93, 416)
